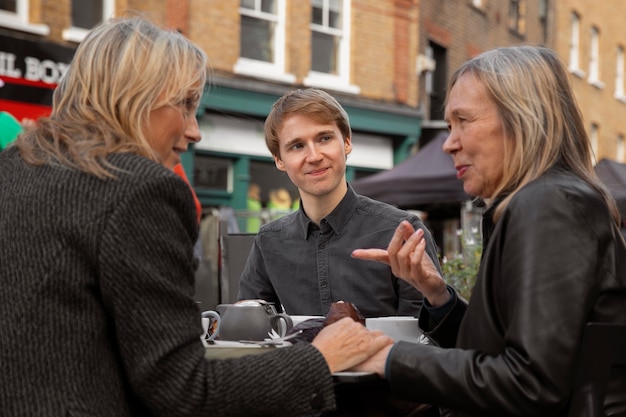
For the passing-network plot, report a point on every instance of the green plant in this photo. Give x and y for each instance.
(461, 270)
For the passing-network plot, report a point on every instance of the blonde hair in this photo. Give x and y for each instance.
(311, 102)
(121, 71)
(532, 91)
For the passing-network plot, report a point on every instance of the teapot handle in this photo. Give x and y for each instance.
(282, 323)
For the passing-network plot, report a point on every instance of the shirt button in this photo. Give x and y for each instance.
(317, 402)
(322, 245)
(323, 284)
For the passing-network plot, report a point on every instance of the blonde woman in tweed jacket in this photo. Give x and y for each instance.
(97, 270)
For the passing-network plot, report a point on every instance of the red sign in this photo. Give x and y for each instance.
(29, 73)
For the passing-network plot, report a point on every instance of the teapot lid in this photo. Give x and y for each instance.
(244, 303)
(267, 306)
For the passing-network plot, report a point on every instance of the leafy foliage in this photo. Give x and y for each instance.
(460, 271)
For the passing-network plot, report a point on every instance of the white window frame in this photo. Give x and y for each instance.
(574, 46)
(268, 70)
(428, 77)
(619, 73)
(594, 58)
(19, 20)
(340, 81)
(76, 34)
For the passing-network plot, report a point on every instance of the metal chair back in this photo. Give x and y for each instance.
(234, 250)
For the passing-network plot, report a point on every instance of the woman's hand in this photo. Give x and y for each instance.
(406, 256)
(375, 363)
(347, 343)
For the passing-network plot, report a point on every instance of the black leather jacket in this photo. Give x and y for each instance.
(553, 262)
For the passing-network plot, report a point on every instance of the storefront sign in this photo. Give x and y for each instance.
(29, 73)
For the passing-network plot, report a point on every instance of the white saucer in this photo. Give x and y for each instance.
(221, 349)
(299, 319)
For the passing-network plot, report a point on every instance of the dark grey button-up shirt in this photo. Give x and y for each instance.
(305, 268)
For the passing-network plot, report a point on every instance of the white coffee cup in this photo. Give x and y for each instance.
(399, 328)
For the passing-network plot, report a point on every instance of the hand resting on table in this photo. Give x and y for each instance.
(346, 343)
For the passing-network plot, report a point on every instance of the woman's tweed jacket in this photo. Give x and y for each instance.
(97, 314)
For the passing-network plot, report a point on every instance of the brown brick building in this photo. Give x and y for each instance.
(587, 35)
(590, 38)
(452, 31)
(362, 51)
(387, 61)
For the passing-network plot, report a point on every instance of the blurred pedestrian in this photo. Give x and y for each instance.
(255, 208)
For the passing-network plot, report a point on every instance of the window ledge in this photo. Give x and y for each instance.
(597, 84)
(264, 70)
(332, 82)
(74, 34)
(577, 72)
(479, 9)
(621, 98)
(14, 23)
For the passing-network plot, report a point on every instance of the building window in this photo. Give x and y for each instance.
(574, 45)
(619, 73)
(9, 6)
(621, 151)
(593, 137)
(259, 19)
(213, 173)
(262, 42)
(85, 15)
(14, 9)
(517, 16)
(594, 58)
(326, 34)
(14, 15)
(330, 45)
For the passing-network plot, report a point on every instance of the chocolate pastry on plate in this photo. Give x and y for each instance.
(310, 328)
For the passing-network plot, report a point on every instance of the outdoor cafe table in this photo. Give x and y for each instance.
(357, 395)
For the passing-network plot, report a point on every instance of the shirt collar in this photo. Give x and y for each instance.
(336, 220)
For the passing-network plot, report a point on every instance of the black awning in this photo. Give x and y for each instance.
(426, 178)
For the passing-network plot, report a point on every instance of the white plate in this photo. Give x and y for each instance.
(222, 349)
